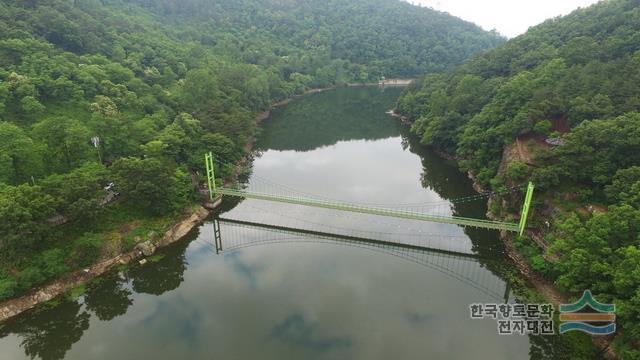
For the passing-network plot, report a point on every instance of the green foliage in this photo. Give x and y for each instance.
(545, 178)
(79, 193)
(578, 77)
(159, 83)
(622, 185)
(214, 71)
(542, 127)
(31, 106)
(148, 185)
(24, 211)
(54, 263)
(67, 143)
(584, 194)
(595, 150)
(86, 249)
(542, 76)
(533, 254)
(7, 286)
(602, 254)
(29, 277)
(517, 171)
(20, 157)
(339, 39)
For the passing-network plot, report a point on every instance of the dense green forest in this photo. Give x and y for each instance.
(373, 38)
(134, 92)
(574, 81)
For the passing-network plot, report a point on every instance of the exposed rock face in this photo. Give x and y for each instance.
(147, 248)
(152, 236)
(213, 204)
(181, 229)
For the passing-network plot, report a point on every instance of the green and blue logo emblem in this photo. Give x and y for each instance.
(599, 319)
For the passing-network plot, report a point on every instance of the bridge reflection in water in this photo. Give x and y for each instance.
(231, 235)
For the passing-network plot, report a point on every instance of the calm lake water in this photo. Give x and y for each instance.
(277, 293)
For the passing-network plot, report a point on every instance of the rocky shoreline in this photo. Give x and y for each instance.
(542, 286)
(13, 307)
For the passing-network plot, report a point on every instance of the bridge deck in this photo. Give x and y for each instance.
(341, 237)
(456, 220)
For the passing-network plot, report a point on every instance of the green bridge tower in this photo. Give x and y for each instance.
(343, 206)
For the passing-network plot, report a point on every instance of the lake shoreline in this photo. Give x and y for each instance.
(392, 83)
(523, 267)
(13, 307)
(97, 271)
(267, 113)
(542, 286)
(46, 292)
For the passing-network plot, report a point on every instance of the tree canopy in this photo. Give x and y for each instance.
(133, 92)
(575, 79)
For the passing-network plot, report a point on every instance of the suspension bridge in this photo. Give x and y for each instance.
(301, 199)
(233, 235)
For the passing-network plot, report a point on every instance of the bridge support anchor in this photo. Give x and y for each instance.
(525, 208)
(211, 178)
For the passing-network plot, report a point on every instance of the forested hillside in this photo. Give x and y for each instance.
(565, 99)
(134, 92)
(378, 37)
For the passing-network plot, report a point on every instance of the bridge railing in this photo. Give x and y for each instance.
(456, 220)
(343, 206)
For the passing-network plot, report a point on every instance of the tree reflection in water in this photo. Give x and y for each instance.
(49, 331)
(108, 298)
(158, 277)
(49, 334)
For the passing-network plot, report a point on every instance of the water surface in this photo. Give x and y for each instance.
(281, 294)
